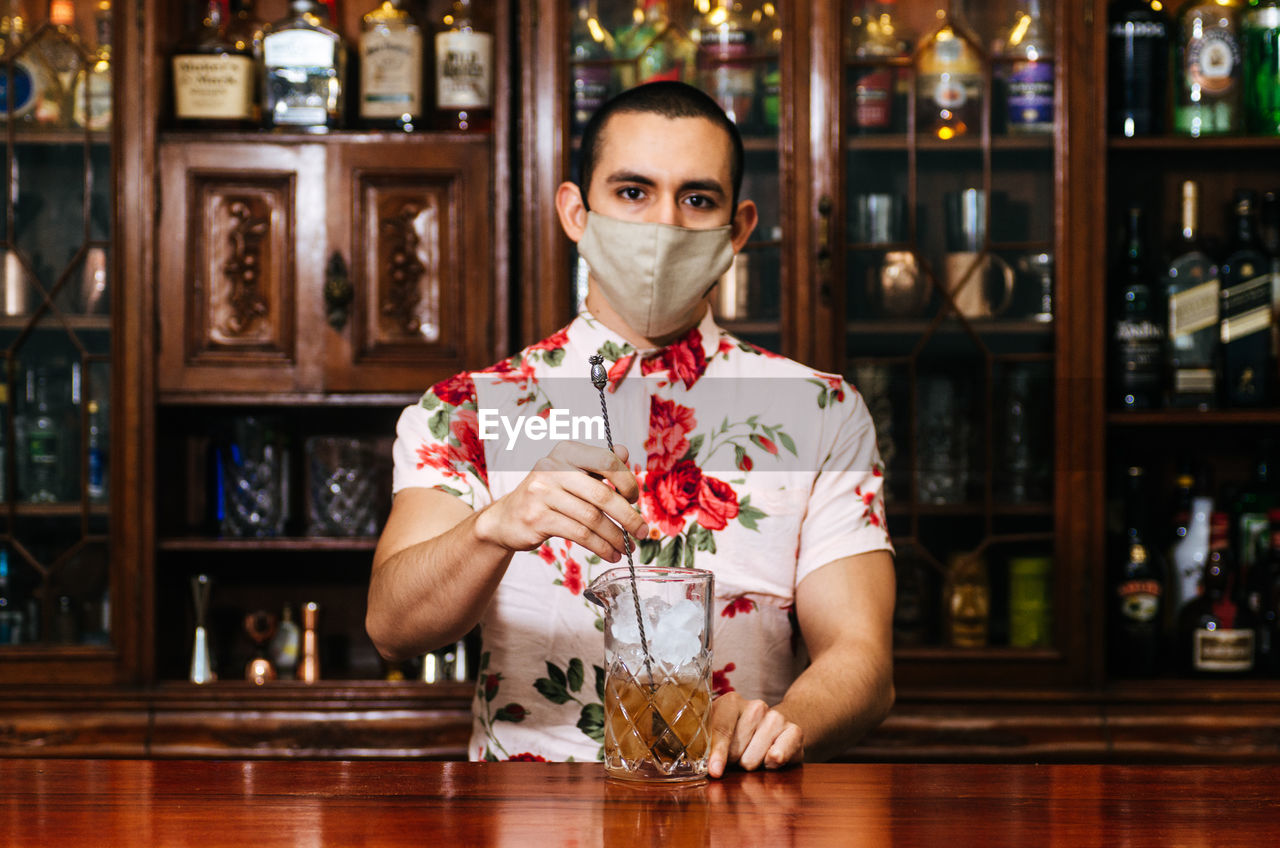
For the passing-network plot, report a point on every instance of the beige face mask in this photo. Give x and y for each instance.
(654, 275)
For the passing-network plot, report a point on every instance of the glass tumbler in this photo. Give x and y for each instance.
(657, 713)
(344, 491)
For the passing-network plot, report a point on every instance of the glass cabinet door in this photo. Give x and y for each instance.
(55, 323)
(731, 50)
(949, 171)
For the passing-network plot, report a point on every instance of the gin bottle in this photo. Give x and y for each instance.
(304, 71)
(1207, 65)
(1261, 32)
(42, 439)
(390, 68)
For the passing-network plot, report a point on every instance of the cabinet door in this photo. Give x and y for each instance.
(408, 289)
(241, 231)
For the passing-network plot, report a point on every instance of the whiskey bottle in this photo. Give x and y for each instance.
(57, 47)
(1260, 31)
(1137, 67)
(949, 86)
(589, 67)
(213, 79)
(244, 33)
(96, 444)
(655, 47)
(1217, 633)
(1246, 310)
(21, 77)
(1029, 85)
(304, 65)
(1191, 287)
(725, 70)
(1139, 594)
(91, 97)
(42, 440)
(390, 68)
(1138, 331)
(1207, 66)
(876, 38)
(464, 71)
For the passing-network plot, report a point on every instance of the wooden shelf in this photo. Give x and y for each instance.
(35, 138)
(896, 509)
(331, 137)
(202, 544)
(1182, 143)
(49, 322)
(751, 328)
(63, 509)
(287, 399)
(1194, 417)
(899, 143)
(989, 326)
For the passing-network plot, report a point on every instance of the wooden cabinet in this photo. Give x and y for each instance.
(358, 264)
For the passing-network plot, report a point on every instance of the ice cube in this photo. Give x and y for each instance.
(677, 634)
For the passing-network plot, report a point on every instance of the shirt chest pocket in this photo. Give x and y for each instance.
(762, 559)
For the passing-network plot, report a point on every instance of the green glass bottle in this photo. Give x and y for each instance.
(1261, 33)
(1207, 66)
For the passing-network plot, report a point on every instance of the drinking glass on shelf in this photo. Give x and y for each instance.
(943, 437)
(345, 487)
(254, 467)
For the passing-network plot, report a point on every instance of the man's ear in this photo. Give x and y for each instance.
(572, 211)
(744, 222)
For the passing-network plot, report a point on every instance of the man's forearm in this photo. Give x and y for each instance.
(839, 698)
(433, 592)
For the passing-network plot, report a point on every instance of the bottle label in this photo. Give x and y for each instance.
(872, 99)
(464, 70)
(298, 48)
(391, 75)
(1138, 29)
(218, 87)
(590, 91)
(42, 448)
(1139, 600)
(97, 114)
(1031, 94)
(1211, 59)
(22, 79)
(1193, 309)
(950, 91)
(1246, 308)
(1224, 649)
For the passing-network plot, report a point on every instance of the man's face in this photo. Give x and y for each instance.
(653, 169)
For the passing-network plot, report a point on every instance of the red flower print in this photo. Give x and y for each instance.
(573, 577)
(744, 462)
(765, 443)
(836, 385)
(671, 494)
(739, 604)
(439, 457)
(762, 351)
(720, 680)
(526, 757)
(456, 390)
(548, 555)
(512, 370)
(619, 369)
(868, 498)
(877, 472)
(726, 347)
(464, 427)
(717, 503)
(669, 423)
(684, 359)
(490, 686)
(555, 341)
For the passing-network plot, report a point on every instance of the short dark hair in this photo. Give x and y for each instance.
(669, 99)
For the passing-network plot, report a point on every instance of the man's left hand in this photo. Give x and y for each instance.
(752, 735)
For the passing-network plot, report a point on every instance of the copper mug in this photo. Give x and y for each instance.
(973, 278)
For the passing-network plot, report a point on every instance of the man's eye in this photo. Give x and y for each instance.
(700, 201)
(631, 193)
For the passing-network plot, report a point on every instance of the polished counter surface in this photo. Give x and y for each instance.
(71, 802)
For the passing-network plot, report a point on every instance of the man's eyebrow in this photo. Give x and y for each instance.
(630, 177)
(707, 185)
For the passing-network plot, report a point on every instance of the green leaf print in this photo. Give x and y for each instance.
(575, 674)
(554, 357)
(556, 674)
(669, 556)
(591, 722)
(749, 515)
(648, 549)
(695, 444)
(429, 401)
(688, 556)
(787, 442)
(448, 490)
(610, 350)
(512, 712)
(439, 425)
(552, 691)
(599, 681)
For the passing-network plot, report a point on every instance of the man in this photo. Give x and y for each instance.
(741, 462)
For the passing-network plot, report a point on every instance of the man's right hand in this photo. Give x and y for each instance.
(577, 492)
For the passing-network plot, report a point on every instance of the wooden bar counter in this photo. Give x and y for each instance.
(69, 802)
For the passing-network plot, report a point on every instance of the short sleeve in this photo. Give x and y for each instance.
(438, 444)
(845, 514)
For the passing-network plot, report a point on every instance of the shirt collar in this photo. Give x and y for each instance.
(686, 357)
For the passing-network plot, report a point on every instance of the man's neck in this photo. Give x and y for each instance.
(598, 305)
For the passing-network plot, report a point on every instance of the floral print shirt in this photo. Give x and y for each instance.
(752, 466)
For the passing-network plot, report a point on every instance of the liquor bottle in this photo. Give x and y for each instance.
(1138, 331)
(1217, 633)
(213, 79)
(1137, 67)
(1190, 547)
(96, 444)
(1246, 310)
(1251, 510)
(1029, 85)
(57, 47)
(1269, 231)
(590, 49)
(285, 645)
(949, 88)
(91, 96)
(655, 48)
(1139, 596)
(725, 69)
(42, 441)
(1207, 66)
(244, 33)
(9, 633)
(1271, 600)
(877, 103)
(1260, 31)
(304, 64)
(391, 74)
(464, 71)
(21, 77)
(1191, 287)
(309, 666)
